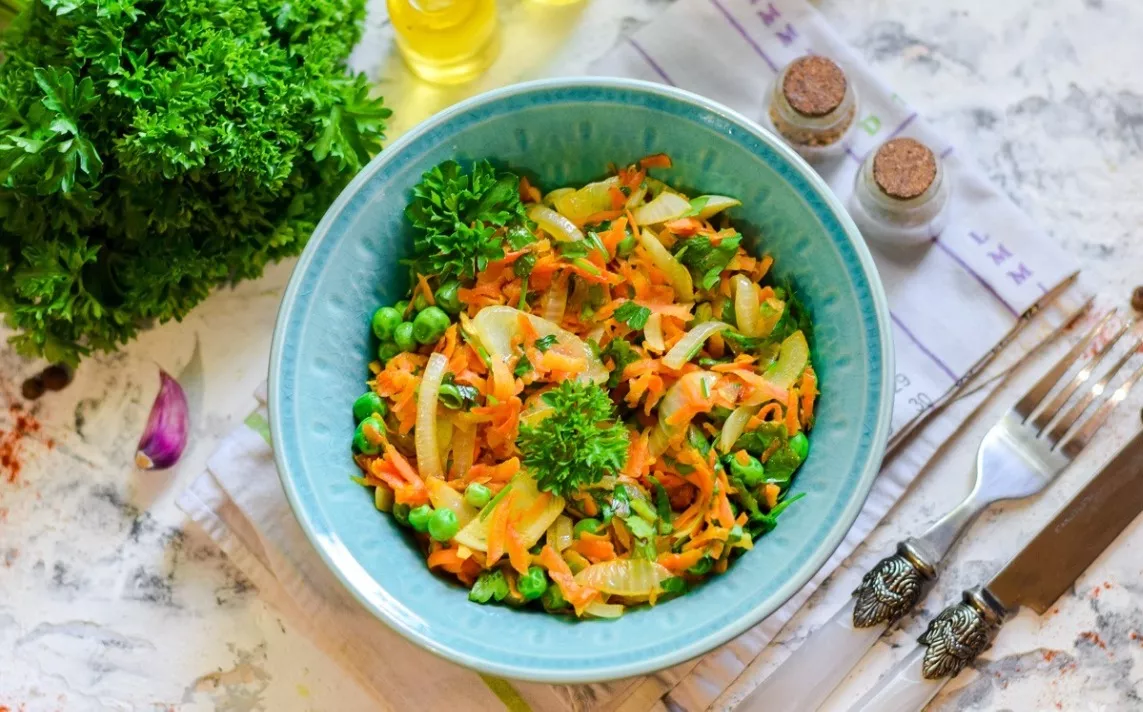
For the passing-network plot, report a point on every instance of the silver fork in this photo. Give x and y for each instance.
(1018, 457)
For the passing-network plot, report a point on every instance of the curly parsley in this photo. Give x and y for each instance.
(578, 444)
(456, 217)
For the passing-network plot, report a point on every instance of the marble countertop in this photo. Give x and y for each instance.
(108, 603)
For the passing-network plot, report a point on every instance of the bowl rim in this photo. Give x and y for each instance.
(332, 551)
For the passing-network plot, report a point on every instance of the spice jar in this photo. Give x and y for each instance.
(813, 106)
(901, 196)
(446, 41)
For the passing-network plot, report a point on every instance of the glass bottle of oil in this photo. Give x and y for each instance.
(446, 41)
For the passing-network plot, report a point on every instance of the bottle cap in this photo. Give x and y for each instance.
(814, 86)
(904, 168)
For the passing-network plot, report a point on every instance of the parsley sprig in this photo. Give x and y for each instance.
(578, 444)
(456, 217)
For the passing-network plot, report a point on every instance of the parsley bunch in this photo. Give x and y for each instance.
(151, 150)
(456, 218)
(578, 443)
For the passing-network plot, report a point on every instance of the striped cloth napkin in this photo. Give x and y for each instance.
(953, 304)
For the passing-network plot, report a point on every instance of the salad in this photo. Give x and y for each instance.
(590, 399)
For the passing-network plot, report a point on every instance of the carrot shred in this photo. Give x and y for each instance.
(559, 571)
(679, 563)
(528, 192)
(518, 554)
(770, 493)
(498, 528)
(423, 285)
(595, 547)
(618, 199)
(809, 389)
(657, 160)
(793, 425)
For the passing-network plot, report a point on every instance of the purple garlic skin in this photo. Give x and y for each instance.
(165, 436)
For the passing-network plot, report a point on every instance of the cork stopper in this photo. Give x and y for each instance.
(904, 168)
(814, 86)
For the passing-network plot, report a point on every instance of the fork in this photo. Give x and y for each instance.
(1018, 457)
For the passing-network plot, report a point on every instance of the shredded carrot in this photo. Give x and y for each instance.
(685, 227)
(528, 192)
(601, 216)
(423, 285)
(657, 160)
(809, 389)
(498, 528)
(494, 473)
(618, 199)
(559, 571)
(679, 563)
(595, 547)
(770, 492)
(518, 554)
(793, 425)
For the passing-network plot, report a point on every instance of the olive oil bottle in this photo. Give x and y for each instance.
(446, 41)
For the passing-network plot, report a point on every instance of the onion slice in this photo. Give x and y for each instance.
(603, 610)
(677, 273)
(555, 301)
(463, 449)
(428, 456)
(715, 204)
(734, 426)
(630, 578)
(560, 533)
(554, 224)
(667, 206)
(690, 344)
(746, 307)
(653, 333)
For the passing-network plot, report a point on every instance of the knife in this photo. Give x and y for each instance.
(1043, 571)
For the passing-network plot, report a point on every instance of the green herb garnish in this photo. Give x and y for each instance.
(633, 314)
(456, 217)
(578, 444)
(546, 342)
(706, 261)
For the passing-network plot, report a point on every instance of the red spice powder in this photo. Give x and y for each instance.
(1050, 655)
(1093, 638)
(24, 425)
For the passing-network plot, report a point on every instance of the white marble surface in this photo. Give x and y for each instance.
(107, 603)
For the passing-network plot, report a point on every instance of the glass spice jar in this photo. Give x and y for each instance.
(446, 41)
(813, 106)
(901, 195)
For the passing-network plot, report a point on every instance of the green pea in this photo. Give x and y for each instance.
(477, 495)
(387, 350)
(752, 472)
(369, 444)
(402, 307)
(443, 525)
(553, 599)
(533, 584)
(367, 404)
(430, 325)
(591, 526)
(626, 246)
(702, 567)
(401, 514)
(419, 518)
(447, 297)
(385, 320)
(403, 336)
(800, 444)
(420, 303)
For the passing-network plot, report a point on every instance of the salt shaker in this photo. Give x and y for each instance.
(901, 195)
(813, 106)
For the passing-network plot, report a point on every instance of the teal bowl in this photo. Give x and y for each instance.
(564, 132)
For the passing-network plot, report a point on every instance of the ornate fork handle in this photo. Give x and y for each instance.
(950, 643)
(891, 588)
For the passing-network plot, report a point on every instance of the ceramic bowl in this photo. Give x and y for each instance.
(566, 132)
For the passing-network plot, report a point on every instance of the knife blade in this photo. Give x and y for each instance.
(1048, 566)
(1034, 578)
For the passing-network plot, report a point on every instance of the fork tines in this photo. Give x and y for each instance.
(1038, 411)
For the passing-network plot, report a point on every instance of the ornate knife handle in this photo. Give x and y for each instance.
(951, 642)
(887, 593)
(891, 588)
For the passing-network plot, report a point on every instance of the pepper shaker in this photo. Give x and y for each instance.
(901, 195)
(813, 106)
